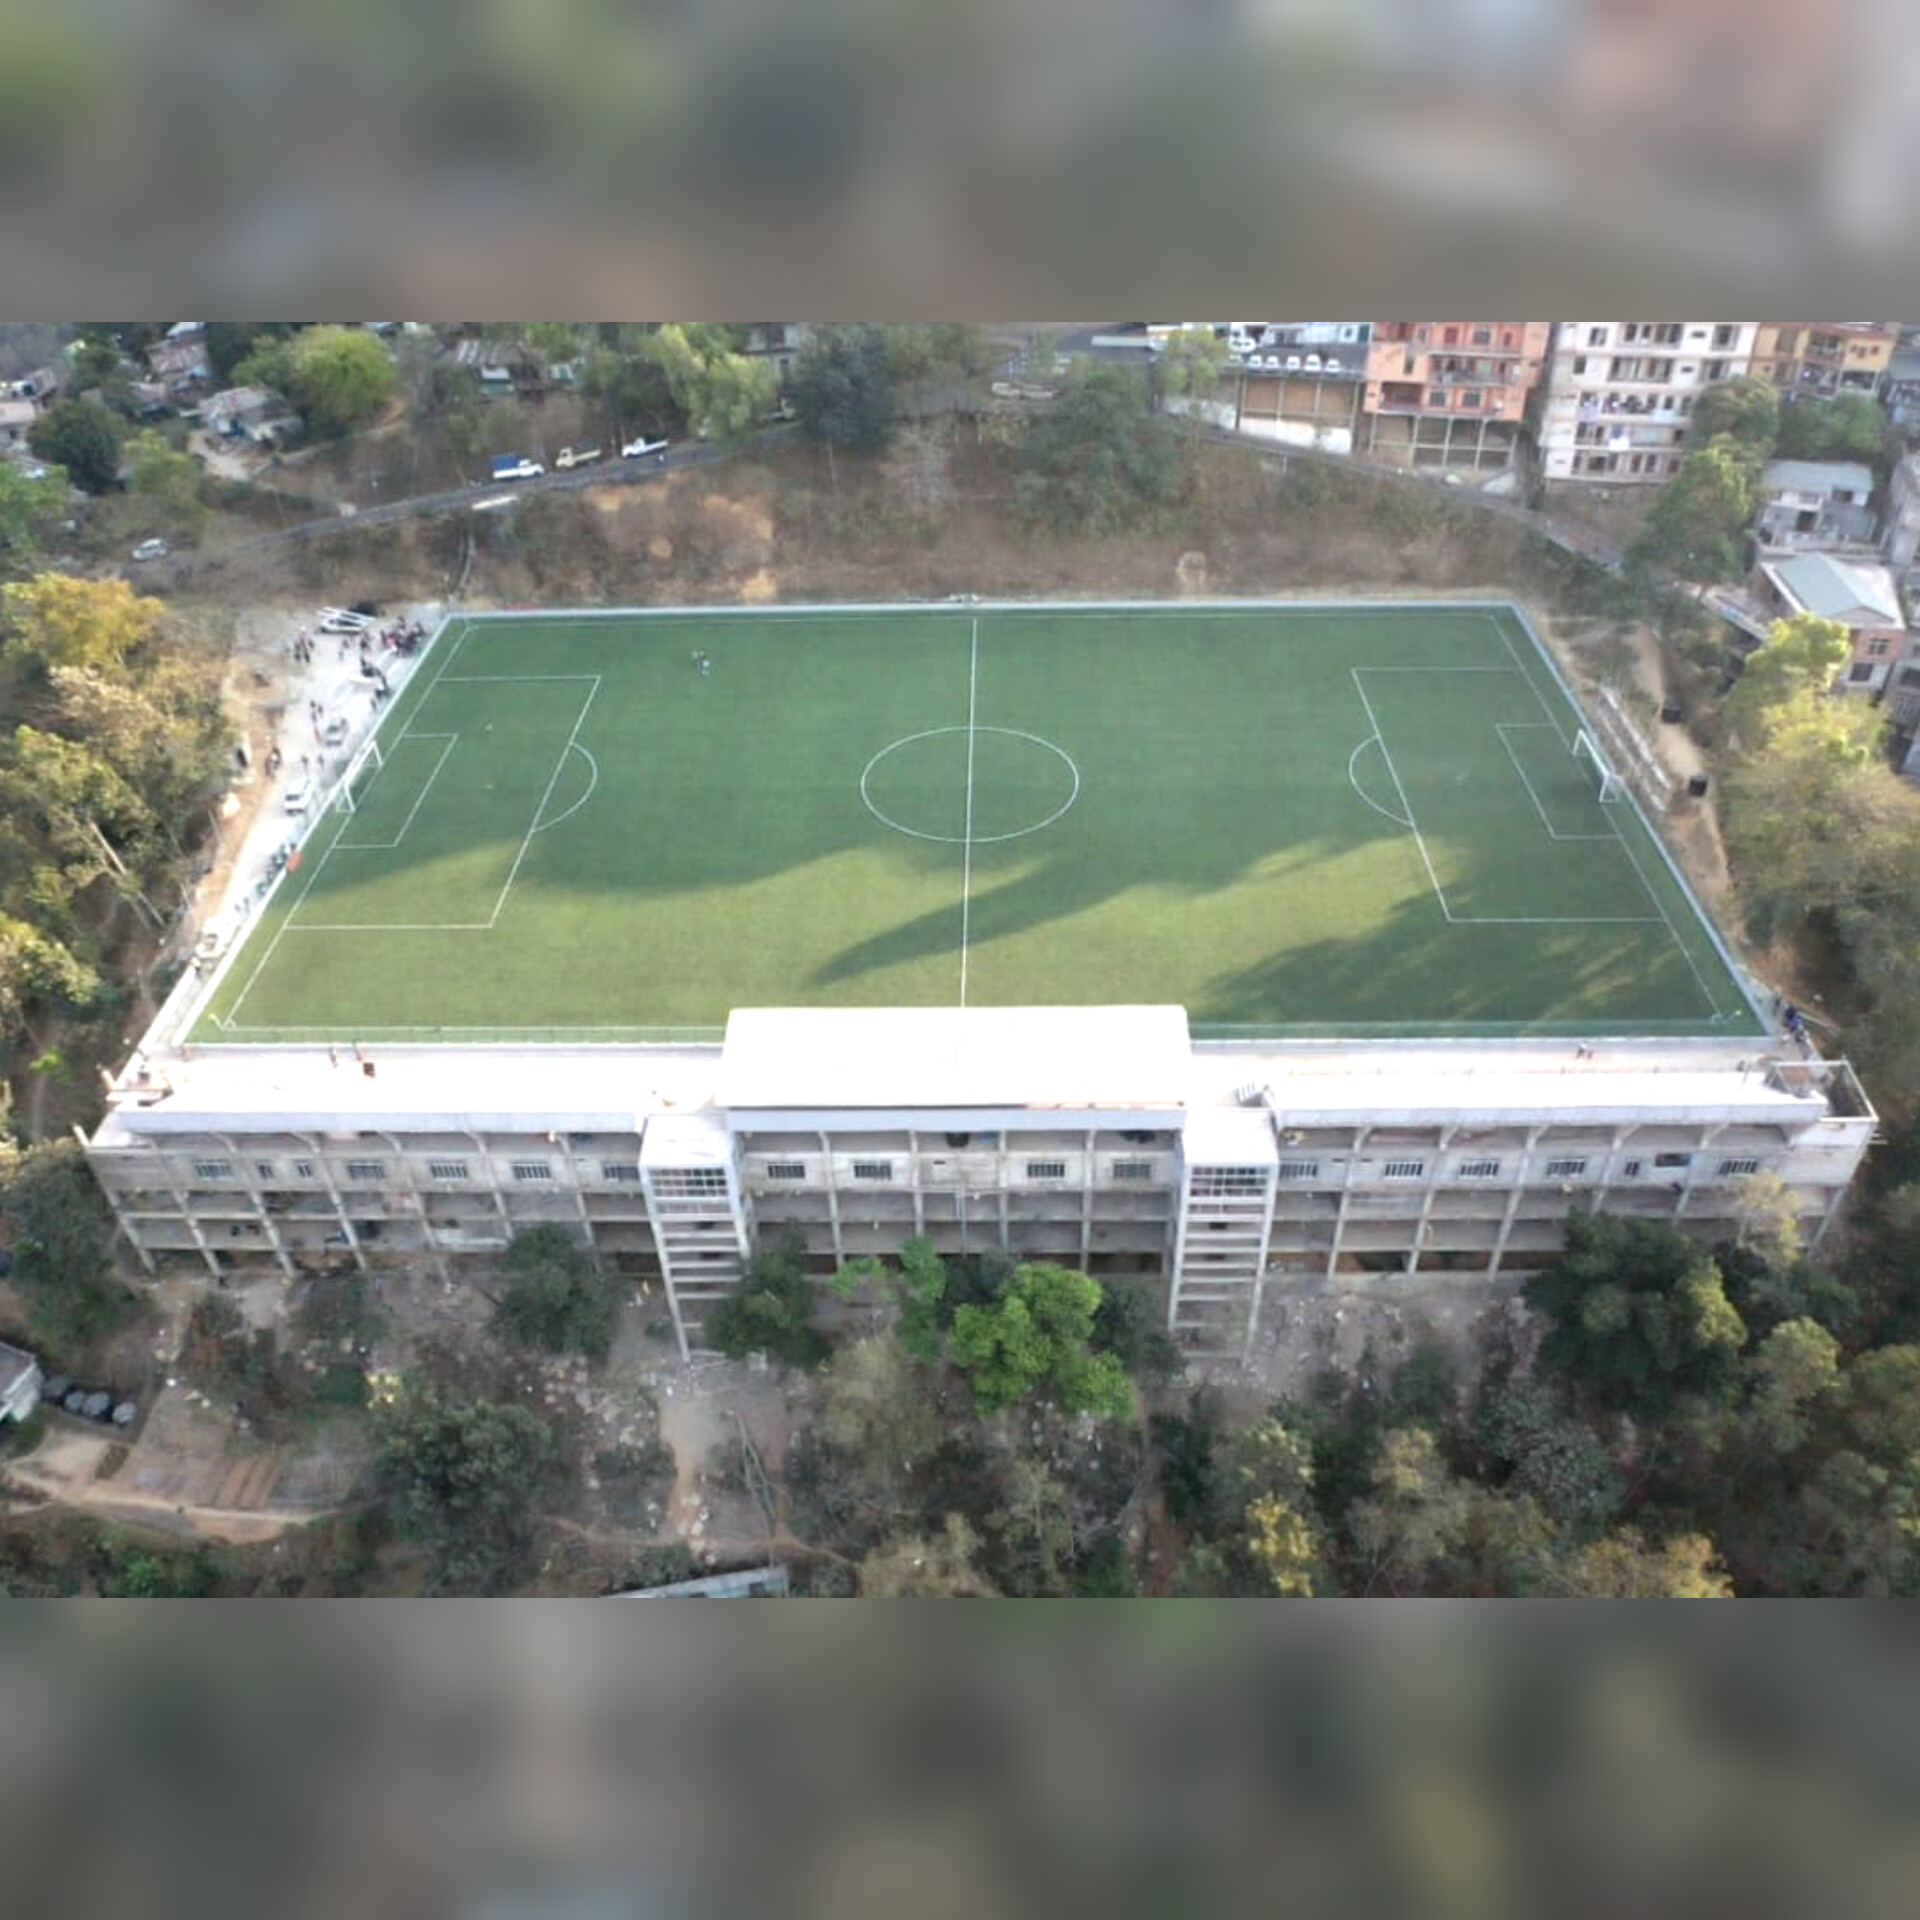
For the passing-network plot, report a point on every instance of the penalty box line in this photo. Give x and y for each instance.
(1439, 893)
(386, 846)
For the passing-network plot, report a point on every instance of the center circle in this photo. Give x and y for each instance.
(969, 786)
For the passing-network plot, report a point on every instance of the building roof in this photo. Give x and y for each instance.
(15, 1365)
(1859, 592)
(971, 1057)
(1817, 476)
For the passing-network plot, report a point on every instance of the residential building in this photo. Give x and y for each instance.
(16, 417)
(1860, 594)
(1450, 392)
(1301, 382)
(1815, 503)
(1824, 358)
(180, 360)
(251, 413)
(1619, 394)
(1901, 392)
(1902, 541)
(42, 385)
(20, 1382)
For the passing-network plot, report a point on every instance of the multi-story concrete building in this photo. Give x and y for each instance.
(1824, 358)
(1619, 394)
(1450, 392)
(1103, 1137)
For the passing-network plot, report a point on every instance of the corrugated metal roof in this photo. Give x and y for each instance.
(1854, 590)
(1817, 476)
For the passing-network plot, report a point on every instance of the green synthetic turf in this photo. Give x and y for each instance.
(1191, 804)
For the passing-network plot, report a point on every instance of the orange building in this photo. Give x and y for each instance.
(1825, 357)
(1447, 392)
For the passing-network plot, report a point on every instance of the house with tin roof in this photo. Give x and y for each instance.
(1861, 594)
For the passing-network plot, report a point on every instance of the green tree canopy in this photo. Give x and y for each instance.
(62, 621)
(463, 1476)
(1746, 409)
(1695, 523)
(771, 1310)
(168, 478)
(60, 1232)
(1034, 1340)
(1851, 426)
(1626, 1566)
(556, 1298)
(339, 377)
(29, 510)
(1096, 460)
(83, 437)
(723, 394)
(841, 388)
(1637, 1316)
(1801, 655)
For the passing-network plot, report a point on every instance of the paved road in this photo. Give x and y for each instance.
(615, 472)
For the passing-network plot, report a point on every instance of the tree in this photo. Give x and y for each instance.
(771, 1311)
(59, 620)
(340, 377)
(462, 1476)
(1695, 523)
(84, 438)
(557, 1297)
(1260, 1516)
(921, 1568)
(1637, 1316)
(1851, 426)
(878, 1408)
(58, 1227)
(1544, 1453)
(1191, 368)
(1128, 1326)
(723, 394)
(167, 477)
(1625, 1566)
(941, 350)
(555, 341)
(1417, 1516)
(1034, 1341)
(1798, 656)
(1096, 461)
(841, 387)
(1746, 410)
(35, 970)
(1793, 1369)
(1883, 1404)
(28, 511)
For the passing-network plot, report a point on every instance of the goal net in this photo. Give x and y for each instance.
(1607, 785)
(357, 778)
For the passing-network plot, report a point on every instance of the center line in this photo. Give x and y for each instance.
(966, 867)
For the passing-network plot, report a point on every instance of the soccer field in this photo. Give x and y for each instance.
(1293, 820)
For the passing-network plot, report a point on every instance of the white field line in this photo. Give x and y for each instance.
(1653, 899)
(1553, 833)
(394, 926)
(1372, 739)
(553, 780)
(1374, 722)
(593, 780)
(386, 846)
(966, 862)
(492, 679)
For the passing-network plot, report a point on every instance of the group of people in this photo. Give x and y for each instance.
(303, 647)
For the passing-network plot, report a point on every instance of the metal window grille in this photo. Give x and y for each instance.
(447, 1169)
(303, 1169)
(264, 1169)
(1404, 1169)
(1565, 1169)
(625, 1172)
(1479, 1169)
(690, 1181)
(1046, 1169)
(1299, 1169)
(1673, 1159)
(786, 1169)
(213, 1169)
(1217, 1182)
(873, 1169)
(532, 1170)
(1133, 1169)
(1741, 1163)
(367, 1172)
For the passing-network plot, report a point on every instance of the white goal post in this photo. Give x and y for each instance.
(364, 764)
(1612, 787)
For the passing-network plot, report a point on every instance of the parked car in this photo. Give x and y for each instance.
(297, 798)
(334, 733)
(339, 620)
(569, 457)
(639, 449)
(150, 550)
(516, 466)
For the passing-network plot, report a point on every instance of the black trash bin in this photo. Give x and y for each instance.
(1697, 785)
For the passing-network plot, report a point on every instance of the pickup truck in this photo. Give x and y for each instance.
(639, 449)
(516, 466)
(575, 457)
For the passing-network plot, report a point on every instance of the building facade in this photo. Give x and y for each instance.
(1450, 392)
(1619, 394)
(1824, 358)
(1101, 1137)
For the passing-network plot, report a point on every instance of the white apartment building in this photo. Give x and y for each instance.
(1102, 1137)
(1619, 394)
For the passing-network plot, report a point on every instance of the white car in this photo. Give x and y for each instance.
(150, 550)
(297, 798)
(339, 620)
(639, 449)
